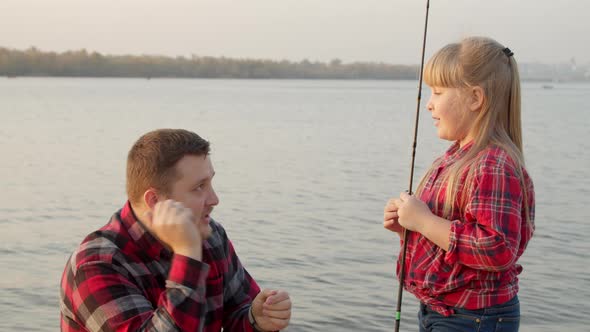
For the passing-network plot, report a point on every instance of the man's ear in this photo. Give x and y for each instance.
(476, 98)
(150, 198)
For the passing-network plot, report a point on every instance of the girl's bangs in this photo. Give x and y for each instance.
(442, 70)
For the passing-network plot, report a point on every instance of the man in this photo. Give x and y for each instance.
(162, 263)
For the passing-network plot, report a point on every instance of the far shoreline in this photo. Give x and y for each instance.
(534, 80)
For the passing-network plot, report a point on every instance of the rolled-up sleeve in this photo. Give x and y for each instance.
(489, 235)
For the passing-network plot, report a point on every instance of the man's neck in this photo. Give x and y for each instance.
(140, 212)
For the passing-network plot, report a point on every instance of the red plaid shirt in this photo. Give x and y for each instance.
(122, 279)
(487, 237)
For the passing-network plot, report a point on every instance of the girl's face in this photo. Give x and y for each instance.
(453, 119)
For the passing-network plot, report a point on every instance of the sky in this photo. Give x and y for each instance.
(387, 31)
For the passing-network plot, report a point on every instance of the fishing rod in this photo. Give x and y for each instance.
(402, 273)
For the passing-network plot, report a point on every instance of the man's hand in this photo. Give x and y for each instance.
(271, 310)
(174, 225)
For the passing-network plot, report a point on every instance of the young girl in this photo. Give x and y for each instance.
(472, 215)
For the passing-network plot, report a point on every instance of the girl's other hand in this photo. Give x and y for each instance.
(390, 217)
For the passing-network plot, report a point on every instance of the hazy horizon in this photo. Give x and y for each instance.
(327, 61)
(367, 31)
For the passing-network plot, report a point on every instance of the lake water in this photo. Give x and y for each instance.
(303, 170)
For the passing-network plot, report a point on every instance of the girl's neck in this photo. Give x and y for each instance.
(464, 142)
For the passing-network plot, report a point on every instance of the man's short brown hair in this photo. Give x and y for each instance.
(152, 159)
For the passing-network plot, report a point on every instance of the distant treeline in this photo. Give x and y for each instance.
(33, 62)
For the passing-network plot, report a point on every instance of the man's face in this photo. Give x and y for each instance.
(194, 189)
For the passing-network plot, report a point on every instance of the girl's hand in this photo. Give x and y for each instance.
(412, 212)
(390, 217)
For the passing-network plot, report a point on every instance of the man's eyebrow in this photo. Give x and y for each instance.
(203, 179)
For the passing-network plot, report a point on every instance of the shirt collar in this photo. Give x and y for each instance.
(455, 152)
(141, 236)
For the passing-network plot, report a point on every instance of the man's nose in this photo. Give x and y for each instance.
(212, 199)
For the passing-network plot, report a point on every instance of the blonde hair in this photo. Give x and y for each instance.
(485, 63)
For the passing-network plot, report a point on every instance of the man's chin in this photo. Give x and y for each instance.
(205, 231)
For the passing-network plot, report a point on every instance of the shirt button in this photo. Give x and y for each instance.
(477, 320)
